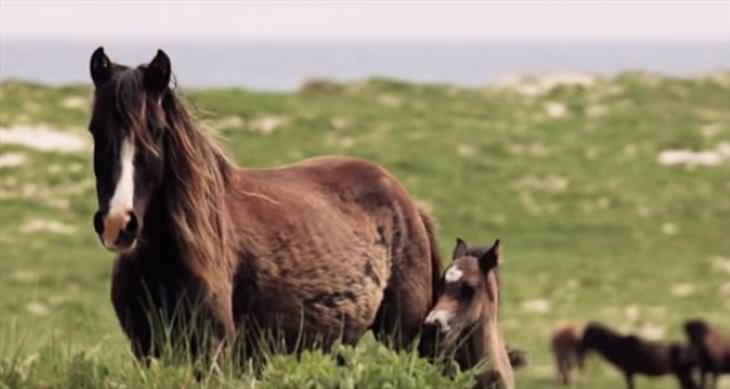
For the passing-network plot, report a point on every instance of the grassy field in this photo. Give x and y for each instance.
(570, 177)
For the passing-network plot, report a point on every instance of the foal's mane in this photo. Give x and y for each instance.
(197, 172)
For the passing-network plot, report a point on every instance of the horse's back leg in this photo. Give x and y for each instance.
(409, 292)
(562, 369)
(400, 316)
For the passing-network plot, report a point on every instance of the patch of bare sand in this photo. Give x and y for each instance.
(538, 85)
(466, 151)
(267, 124)
(555, 110)
(37, 308)
(8, 160)
(550, 184)
(692, 158)
(721, 264)
(537, 306)
(533, 150)
(45, 225)
(724, 289)
(652, 331)
(24, 277)
(684, 289)
(75, 102)
(43, 138)
(58, 197)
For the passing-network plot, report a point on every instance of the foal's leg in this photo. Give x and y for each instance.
(560, 368)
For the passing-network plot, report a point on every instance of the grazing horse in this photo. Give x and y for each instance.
(466, 314)
(566, 348)
(713, 350)
(632, 355)
(314, 252)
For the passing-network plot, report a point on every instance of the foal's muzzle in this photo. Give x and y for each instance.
(118, 231)
(440, 320)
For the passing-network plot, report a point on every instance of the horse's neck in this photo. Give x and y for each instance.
(157, 239)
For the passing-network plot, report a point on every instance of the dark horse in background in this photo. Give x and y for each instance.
(713, 350)
(633, 355)
(315, 252)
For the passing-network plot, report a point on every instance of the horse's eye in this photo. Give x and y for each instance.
(466, 291)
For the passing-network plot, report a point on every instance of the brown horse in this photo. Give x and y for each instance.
(566, 348)
(633, 355)
(318, 251)
(466, 314)
(713, 349)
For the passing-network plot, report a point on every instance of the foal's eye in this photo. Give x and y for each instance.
(466, 291)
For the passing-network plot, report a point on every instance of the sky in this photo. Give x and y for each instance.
(666, 21)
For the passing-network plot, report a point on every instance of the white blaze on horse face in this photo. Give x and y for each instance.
(453, 274)
(123, 198)
(441, 318)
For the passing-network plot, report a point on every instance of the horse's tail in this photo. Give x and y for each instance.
(435, 255)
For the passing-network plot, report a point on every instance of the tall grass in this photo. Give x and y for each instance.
(594, 227)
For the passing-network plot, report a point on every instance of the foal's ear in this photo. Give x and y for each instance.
(157, 73)
(490, 259)
(100, 66)
(460, 249)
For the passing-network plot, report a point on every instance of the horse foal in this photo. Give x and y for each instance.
(465, 316)
(565, 345)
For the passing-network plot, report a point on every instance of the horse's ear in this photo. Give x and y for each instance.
(100, 66)
(157, 74)
(490, 259)
(460, 249)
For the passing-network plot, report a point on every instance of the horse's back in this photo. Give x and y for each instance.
(335, 178)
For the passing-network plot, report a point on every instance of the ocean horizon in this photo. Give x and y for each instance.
(283, 65)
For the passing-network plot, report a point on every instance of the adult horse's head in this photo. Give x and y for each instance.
(128, 124)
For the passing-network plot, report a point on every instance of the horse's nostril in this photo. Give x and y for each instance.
(99, 222)
(132, 224)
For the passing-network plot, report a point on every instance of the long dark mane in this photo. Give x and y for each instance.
(197, 172)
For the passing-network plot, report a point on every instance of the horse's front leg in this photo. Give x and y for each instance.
(217, 328)
(629, 380)
(129, 301)
(154, 314)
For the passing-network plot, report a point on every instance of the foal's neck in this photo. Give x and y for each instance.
(475, 347)
(485, 344)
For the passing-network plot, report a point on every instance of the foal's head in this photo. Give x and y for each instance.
(128, 125)
(469, 295)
